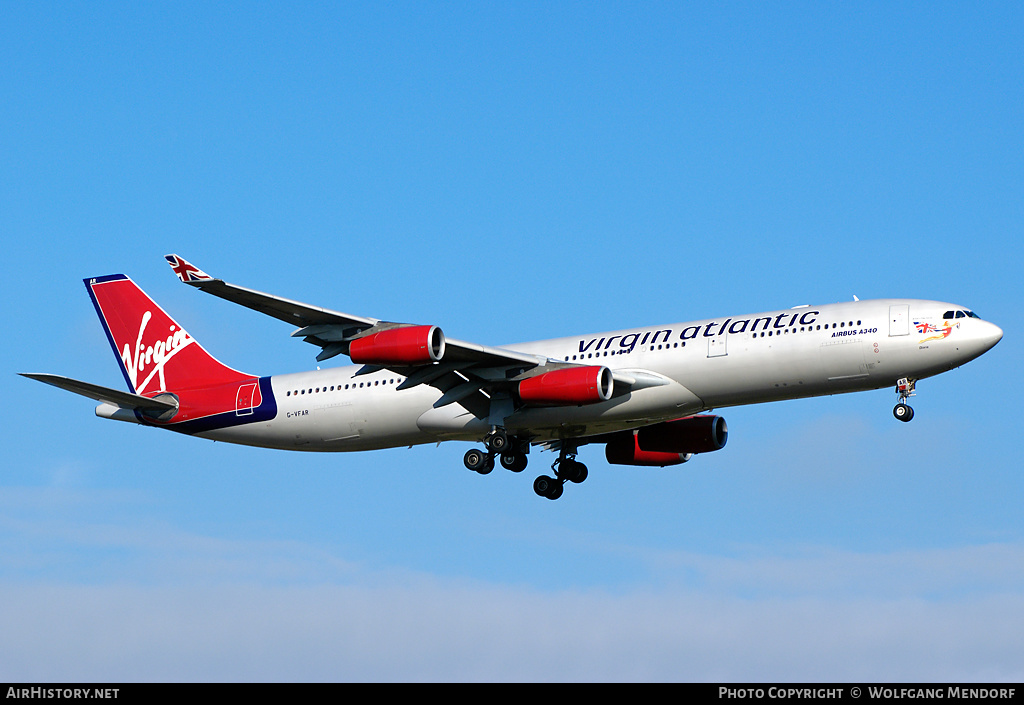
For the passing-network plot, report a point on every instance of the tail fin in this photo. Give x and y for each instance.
(155, 353)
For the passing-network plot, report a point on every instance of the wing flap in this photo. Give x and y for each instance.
(461, 351)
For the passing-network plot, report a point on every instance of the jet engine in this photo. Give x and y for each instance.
(409, 345)
(569, 385)
(695, 434)
(623, 449)
(667, 443)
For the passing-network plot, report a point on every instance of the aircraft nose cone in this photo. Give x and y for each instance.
(983, 337)
(992, 335)
(978, 338)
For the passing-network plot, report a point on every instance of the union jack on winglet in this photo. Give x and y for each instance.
(186, 271)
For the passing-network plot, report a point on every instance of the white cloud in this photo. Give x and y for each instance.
(107, 595)
(429, 630)
(191, 607)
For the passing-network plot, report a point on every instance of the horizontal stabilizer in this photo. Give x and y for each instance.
(125, 400)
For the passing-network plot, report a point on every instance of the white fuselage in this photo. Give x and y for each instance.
(686, 368)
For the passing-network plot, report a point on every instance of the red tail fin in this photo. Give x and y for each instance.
(156, 354)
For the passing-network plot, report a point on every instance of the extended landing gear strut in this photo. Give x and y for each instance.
(510, 452)
(905, 390)
(566, 468)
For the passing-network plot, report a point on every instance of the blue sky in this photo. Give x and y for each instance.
(512, 171)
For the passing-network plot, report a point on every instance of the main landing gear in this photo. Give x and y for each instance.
(510, 453)
(566, 468)
(905, 390)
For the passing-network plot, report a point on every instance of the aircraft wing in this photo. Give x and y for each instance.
(332, 330)
(125, 400)
(469, 373)
(294, 312)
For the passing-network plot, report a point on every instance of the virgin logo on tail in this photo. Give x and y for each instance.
(152, 358)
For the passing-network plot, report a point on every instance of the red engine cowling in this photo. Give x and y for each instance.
(410, 345)
(569, 385)
(623, 449)
(695, 434)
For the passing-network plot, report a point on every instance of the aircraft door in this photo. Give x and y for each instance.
(899, 320)
(337, 422)
(717, 346)
(247, 398)
(843, 360)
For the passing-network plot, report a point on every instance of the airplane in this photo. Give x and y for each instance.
(645, 393)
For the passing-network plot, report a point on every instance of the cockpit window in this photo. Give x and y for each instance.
(960, 314)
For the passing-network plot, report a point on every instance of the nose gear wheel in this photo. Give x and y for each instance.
(905, 390)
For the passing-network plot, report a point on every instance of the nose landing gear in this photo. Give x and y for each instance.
(905, 390)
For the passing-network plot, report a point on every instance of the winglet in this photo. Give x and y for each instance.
(186, 271)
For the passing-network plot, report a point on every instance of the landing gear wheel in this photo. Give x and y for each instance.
(497, 441)
(903, 412)
(547, 487)
(516, 462)
(555, 492)
(904, 389)
(572, 470)
(476, 460)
